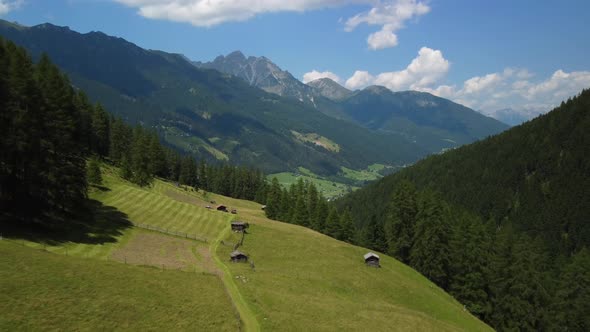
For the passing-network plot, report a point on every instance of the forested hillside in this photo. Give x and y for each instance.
(501, 223)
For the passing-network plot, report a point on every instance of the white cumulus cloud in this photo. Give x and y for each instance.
(390, 15)
(9, 5)
(314, 75)
(422, 73)
(359, 79)
(208, 13)
(513, 89)
(382, 39)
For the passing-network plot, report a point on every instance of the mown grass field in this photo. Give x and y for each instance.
(301, 280)
(162, 205)
(43, 291)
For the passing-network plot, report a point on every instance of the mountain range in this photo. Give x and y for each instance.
(251, 112)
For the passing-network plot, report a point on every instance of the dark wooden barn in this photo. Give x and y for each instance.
(372, 259)
(238, 257)
(239, 226)
(221, 208)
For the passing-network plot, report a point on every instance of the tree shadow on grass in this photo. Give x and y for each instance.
(92, 223)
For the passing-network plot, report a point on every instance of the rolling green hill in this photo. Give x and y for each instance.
(301, 279)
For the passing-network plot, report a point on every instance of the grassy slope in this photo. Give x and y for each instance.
(305, 280)
(302, 279)
(44, 291)
(163, 205)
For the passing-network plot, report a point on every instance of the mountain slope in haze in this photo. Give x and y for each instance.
(261, 73)
(329, 88)
(510, 116)
(418, 116)
(205, 112)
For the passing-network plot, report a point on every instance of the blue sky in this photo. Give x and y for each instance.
(489, 55)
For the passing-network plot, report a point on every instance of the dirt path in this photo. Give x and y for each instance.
(208, 262)
(246, 315)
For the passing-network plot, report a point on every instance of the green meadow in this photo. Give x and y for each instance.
(140, 279)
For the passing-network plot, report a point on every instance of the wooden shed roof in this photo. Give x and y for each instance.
(369, 255)
(237, 253)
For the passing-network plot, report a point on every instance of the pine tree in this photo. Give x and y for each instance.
(65, 166)
(273, 200)
(100, 131)
(125, 170)
(399, 226)
(519, 297)
(430, 253)
(120, 140)
(312, 203)
(346, 227)
(332, 225)
(572, 301)
(300, 215)
(93, 172)
(320, 215)
(470, 252)
(140, 159)
(157, 156)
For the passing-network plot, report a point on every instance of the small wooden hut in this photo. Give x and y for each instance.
(239, 226)
(372, 259)
(238, 257)
(221, 208)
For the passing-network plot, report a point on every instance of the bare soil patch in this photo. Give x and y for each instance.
(207, 261)
(157, 250)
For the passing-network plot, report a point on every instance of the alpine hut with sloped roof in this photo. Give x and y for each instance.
(238, 257)
(372, 259)
(239, 226)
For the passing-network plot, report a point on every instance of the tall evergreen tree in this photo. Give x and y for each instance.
(399, 226)
(94, 175)
(320, 215)
(572, 302)
(332, 225)
(273, 200)
(430, 253)
(312, 203)
(65, 166)
(100, 130)
(470, 253)
(346, 227)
